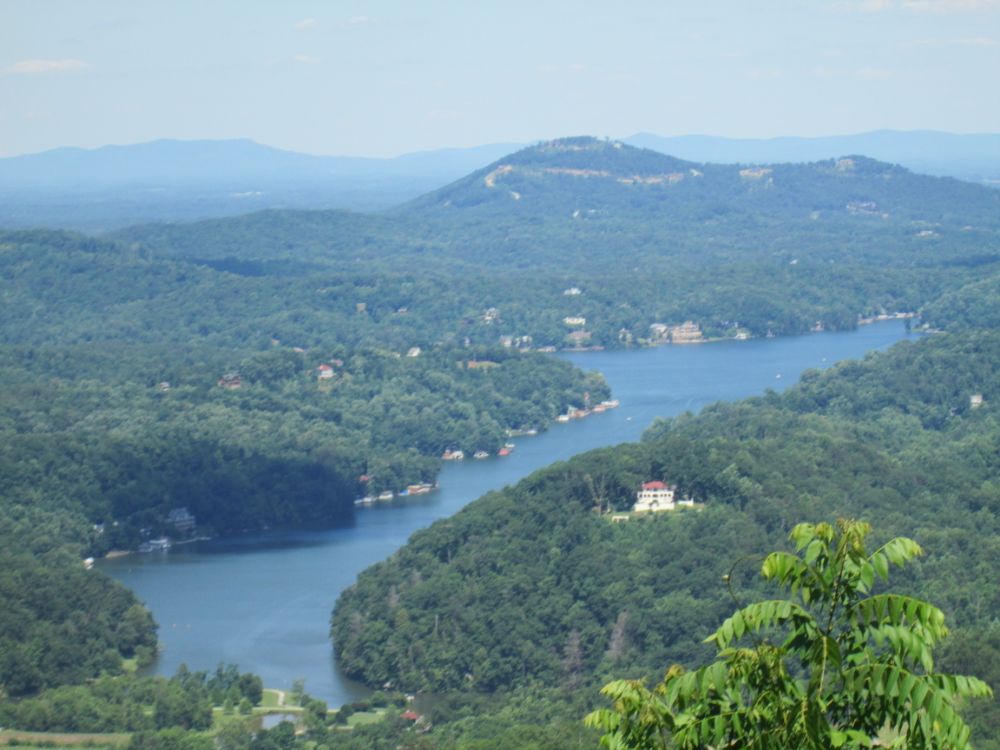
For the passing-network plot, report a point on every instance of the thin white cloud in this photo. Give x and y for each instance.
(761, 74)
(444, 115)
(306, 24)
(305, 59)
(915, 6)
(561, 68)
(977, 41)
(359, 21)
(35, 67)
(950, 6)
(873, 73)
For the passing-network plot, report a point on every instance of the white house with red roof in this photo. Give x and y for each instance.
(655, 497)
(324, 372)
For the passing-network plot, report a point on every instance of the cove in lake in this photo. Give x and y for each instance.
(263, 601)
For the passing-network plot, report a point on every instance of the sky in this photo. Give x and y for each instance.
(388, 77)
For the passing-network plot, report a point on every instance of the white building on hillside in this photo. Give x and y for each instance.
(655, 497)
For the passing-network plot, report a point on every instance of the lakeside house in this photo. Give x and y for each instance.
(181, 519)
(656, 497)
(687, 332)
(324, 372)
(975, 400)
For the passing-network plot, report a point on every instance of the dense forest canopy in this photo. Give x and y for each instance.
(894, 439)
(646, 238)
(177, 367)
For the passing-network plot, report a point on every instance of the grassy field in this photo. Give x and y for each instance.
(272, 698)
(366, 717)
(31, 740)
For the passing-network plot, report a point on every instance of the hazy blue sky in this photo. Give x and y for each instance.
(381, 78)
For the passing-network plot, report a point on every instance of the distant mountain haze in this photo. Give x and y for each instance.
(173, 180)
(589, 180)
(972, 157)
(239, 162)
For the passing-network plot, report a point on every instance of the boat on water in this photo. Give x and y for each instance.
(420, 489)
(453, 456)
(155, 545)
(479, 455)
(387, 495)
(509, 446)
(503, 452)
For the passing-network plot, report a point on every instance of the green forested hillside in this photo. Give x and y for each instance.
(605, 180)
(62, 624)
(645, 237)
(112, 415)
(891, 439)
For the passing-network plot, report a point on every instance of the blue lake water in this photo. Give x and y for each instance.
(263, 601)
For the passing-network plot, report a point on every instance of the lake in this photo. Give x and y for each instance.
(263, 601)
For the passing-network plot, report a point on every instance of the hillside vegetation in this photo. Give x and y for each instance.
(892, 439)
(137, 388)
(644, 237)
(171, 367)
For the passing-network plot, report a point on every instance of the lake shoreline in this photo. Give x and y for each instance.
(262, 600)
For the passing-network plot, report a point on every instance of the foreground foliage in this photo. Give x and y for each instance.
(531, 585)
(852, 666)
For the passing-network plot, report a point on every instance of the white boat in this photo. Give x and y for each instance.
(479, 455)
(387, 495)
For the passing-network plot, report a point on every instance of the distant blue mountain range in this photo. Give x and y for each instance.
(973, 157)
(173, 180)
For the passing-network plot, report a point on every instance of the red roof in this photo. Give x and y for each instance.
(324, 368)
(410, 716)
(654, 486)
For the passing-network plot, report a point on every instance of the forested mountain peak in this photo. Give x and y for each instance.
(615, 158)
(586, 178)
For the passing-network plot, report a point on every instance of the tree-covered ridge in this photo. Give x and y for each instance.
(121, 444)
(60, 623)
(975, 305)
(646, 238)
(599, 176)
(112, 416)
(531, 584)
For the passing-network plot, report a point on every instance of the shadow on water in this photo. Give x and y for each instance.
(263, 600)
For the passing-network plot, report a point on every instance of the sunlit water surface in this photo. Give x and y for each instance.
(263, 601)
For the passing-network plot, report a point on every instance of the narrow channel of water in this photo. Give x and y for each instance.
(263, 601)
